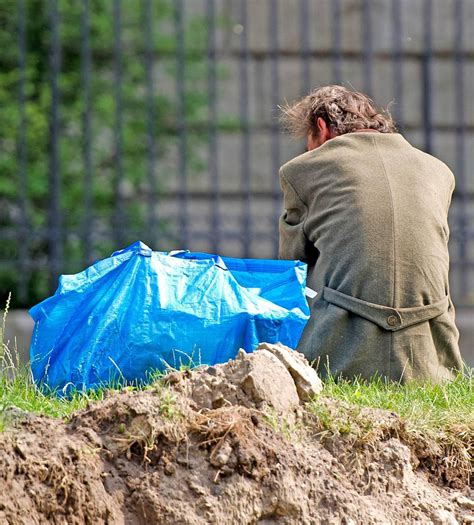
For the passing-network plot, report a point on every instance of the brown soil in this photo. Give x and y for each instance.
(213, 446)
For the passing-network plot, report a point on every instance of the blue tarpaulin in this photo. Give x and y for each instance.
(140, 311)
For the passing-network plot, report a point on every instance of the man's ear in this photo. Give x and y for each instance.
(322, 126)
(324, 132)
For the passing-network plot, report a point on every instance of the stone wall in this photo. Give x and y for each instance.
(297, 54)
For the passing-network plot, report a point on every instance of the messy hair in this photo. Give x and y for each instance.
(344, 111)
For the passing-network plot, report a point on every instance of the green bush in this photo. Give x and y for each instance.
(134, 189)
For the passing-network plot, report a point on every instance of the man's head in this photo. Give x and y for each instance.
(331, 111)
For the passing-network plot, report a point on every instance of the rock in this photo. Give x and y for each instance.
(443, 517)
(268, 381)
(14, 412)
(221, 457)
(251, 379)
(465, 502)
(169, 469)
(305, 377)
(13, 415)
(20, 449)
(211, 370)
(468, 519)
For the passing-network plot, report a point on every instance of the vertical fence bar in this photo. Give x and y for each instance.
(212, 128)
(366, 28)
(274, 100)
(86, 65)
(336, 41)
(397, 61)
(21, 152)
(245, 128)
(118, 216)
(150, 117)
(54, 219)
(182, 124)
(426, 74)
(305, 48)
(460, 165)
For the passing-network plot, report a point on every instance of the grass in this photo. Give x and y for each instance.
(428, 406)
(435, 421)
(17, 389)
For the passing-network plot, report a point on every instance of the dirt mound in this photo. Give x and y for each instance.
(226, 444)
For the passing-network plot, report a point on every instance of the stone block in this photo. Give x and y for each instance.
(291, 29)
(305, 377)
(352, 25)
(233, 174)
(468, 71)
(410, 107)
(290, 32)
(229, 91)
(262, 173)
(443, 517)
(268, 381)
(264, 247)
(468, 25)
(443, 23)
(461, 282)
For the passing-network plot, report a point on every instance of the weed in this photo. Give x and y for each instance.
(183, 361)
(168, 407)
(280, 424)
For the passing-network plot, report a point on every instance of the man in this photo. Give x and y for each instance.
(368, 213)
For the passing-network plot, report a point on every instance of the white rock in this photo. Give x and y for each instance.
(222, 456)
(467, 503)
(267, 380)
(305, 377)
(443, 517)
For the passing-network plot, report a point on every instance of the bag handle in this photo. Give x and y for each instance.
(199, 256)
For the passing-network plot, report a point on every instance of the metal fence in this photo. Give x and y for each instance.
(159, 119)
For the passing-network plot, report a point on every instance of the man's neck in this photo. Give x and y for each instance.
(370, 130)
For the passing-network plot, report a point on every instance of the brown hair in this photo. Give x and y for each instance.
(344, 111)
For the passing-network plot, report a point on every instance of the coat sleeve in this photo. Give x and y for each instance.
(293, 242)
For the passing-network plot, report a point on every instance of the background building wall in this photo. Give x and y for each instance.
(422, 69)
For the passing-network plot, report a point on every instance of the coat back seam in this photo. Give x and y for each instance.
(394, 289)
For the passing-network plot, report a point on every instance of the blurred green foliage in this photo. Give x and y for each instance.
(134, 188)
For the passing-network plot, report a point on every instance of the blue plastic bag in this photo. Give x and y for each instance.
(140, 311)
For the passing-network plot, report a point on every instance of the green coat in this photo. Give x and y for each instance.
(368, 213)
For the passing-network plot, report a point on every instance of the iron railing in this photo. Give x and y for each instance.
(203, 183)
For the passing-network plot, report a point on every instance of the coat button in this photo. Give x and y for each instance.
(392, 320)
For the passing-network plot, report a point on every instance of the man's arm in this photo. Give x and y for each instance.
(294, 244)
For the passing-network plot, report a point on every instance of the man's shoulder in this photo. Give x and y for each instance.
(349, 151)
(310, 161)
(334, 154)
(434, 165)
(430, 158)
(296, 164)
